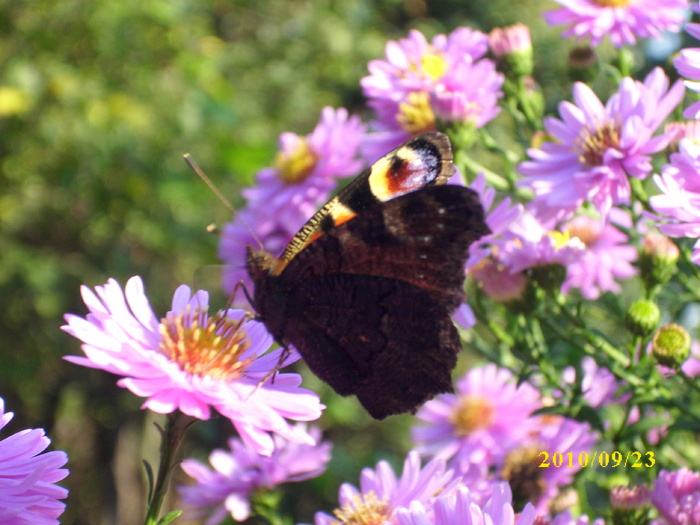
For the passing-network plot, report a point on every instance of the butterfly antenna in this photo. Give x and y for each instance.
(212, 228)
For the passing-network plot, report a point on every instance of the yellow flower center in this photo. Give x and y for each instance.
(295, 167)
(593, 145)
(415, 114)
(522, 469)
(613, 3)
(205, 346)
(433, 65)
(560, 238)
(472, 413)
(364, 510)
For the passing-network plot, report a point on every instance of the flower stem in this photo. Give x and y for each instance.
(176, 424)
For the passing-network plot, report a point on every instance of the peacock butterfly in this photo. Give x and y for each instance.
(364, 291)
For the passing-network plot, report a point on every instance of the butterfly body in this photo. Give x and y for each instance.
(365, 291)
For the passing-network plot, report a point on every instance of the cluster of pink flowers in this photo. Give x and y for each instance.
(487, 431)
(421, 83)
(485, 440)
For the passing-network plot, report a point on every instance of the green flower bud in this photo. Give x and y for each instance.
(642, 317)
(583, 64)
(657, 261)
(671, 345)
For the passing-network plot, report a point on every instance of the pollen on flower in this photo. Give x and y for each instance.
(585, 232)
(560, 239)
(594, 143)
(203, 345)
(296, 167)
(612, 3)
(521, 469)
(472, 413)
(365, 509)
(433, 65)
(415, 114)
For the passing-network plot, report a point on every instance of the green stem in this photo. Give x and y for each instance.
(176, 424)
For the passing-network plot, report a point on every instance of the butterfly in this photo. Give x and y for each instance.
(364, 291)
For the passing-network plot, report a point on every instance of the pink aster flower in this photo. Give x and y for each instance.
(596, 147)
(191, 361)
(677, 496)
(607, 258)
(688, 66)
(622, 20)
(521, 466)
(529, 244)
(488, 415)
(28, 477)
(226, 487)
(421, 82)
(679, 201)
(461, 507)
(598, 384)
(285, 196)
(381, 495)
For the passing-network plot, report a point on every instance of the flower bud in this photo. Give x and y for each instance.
(512, 47)
(630, 505)
(583, 64)
(671, 345)
(657, 262)
(642, 317)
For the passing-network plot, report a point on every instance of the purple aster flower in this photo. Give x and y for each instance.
(225, 488)
(461, 507)
(286, 195)
(28, 477)
(413, 64)
(677, 496)
(598, 384)
(488, 415)
(529, 244)
(688, 66)
(521, 466)
(607, 257)
(420, 82)
(679, 202)
(190, 361)
(623, 20)
(596, 147)
(382, 495)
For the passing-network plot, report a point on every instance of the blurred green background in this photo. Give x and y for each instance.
(98, 101)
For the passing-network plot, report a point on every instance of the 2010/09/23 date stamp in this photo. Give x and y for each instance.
(632, 458)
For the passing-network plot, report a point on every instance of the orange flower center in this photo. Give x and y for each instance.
(295, 167)
(472, 413)
(205, 346)
(613, 3)
(521, 468)
(364, 509)
(593, 145)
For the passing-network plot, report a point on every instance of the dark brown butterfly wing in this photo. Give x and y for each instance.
(368, 304)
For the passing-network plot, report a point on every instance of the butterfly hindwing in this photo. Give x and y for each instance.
(384, 340)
